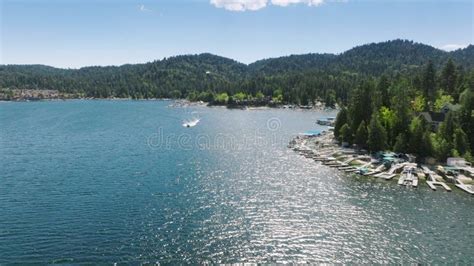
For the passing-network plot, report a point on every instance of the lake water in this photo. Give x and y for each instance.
(123, 181)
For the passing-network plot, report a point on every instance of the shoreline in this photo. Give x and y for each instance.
(82, 99)
(324, 149)
(179, 103)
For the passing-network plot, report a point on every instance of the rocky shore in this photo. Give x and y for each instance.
(35, 95)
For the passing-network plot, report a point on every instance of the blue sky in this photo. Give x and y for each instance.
(75, 33)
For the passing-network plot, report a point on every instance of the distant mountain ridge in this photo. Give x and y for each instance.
(413, 52)
(208, 72)
(371, 58)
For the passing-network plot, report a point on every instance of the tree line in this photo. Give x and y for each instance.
(296, 79)
(394, 113)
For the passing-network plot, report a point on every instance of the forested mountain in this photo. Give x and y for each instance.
(164, 78)
(465, 56)
(374, 59)
(389, 57)
(292, 63)
(295, 78)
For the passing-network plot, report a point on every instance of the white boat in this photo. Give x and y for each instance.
(191, 123)
(326, 122)
(401, 180)
(408, 177)
(414, 180)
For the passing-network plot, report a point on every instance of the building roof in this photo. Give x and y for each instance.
(433, 116)
(452, 107)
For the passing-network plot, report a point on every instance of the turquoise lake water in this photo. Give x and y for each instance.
(123, 181)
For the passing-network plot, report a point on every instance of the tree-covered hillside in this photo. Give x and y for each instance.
(175, 76)
(391, 57)
(430, 114)
(297, 79)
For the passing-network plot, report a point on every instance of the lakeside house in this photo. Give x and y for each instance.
(433, 118)
(254, 102)
(436, 118)
(450, 107)
(7, 94)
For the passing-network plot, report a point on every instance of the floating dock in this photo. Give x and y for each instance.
(432, 181)
(467, 188)
(325, 150)
(391, 173)
(376, 171)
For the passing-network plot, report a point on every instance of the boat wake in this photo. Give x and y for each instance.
(191, 123)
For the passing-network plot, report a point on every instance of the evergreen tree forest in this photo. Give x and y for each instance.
(390, 113)
(296, 79)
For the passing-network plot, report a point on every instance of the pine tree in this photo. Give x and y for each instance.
(401, 107)
(400, 143)
(382, 88)
(361, 135)
(427, 144)
(417, 143)
(377, 137)
(449, 78)
(446, 129)
(361, 104)
(466, 114)
(441, 147)
(460, 142)
(429, 83)
(330, 99)
(345, 134)
(341, 119)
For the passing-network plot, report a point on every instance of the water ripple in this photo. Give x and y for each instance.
(77, 187)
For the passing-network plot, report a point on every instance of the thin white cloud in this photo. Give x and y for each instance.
(452, 47)
(243, 5)
(143, 8)
(240, 5)
(289, 2)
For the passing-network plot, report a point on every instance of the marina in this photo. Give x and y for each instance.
(323, 148)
